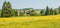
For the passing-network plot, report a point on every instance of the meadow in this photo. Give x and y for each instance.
(31, 22)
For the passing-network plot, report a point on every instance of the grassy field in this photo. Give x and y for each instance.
(31, 22)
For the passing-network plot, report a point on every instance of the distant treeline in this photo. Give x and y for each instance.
(7, 11)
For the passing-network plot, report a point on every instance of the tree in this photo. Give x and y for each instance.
(33, 13)
(51, 11)
(16, 13)
(59, 9)
(42, 12)
(56, 11)
(6, 9)
(47, 11)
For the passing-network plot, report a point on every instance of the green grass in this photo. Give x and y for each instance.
(31, 24)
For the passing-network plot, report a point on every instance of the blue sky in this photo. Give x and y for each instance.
(37, 4)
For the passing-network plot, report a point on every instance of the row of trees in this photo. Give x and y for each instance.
(50, 11)
(7, 11)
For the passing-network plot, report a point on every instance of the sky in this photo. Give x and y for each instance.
(36, 4)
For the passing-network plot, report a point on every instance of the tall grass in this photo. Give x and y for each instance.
(31, 24)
